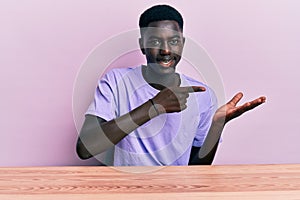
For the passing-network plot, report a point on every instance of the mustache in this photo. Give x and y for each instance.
(165, 58)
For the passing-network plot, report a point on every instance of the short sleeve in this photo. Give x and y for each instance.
(206, 119)
(104, 104)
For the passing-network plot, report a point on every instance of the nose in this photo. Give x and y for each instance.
(165, 49)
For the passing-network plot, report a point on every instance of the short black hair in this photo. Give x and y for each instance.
(160, 13)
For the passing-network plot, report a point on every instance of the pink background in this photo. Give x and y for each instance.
(254, 43)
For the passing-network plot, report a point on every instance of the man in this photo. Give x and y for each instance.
(151, 114)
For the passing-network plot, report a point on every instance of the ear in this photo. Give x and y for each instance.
(141, 45)
(183, 41)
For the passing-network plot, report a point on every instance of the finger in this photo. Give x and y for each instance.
(263, 99)
(244, 108)
(191, 89)
(183, 106)
(181, 97)
(236, 99)
(183, 101)
(176, 108)
(250, 105)
(259, 100)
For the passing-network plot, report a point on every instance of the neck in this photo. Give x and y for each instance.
(160, 81)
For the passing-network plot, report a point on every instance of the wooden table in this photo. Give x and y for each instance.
(155, 183)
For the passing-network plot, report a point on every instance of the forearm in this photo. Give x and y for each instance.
(205, 155)
(97, 137)
(222, 116)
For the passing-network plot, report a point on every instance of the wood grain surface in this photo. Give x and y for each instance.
(175, 182)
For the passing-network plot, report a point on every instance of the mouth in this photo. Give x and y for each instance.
(166, 62)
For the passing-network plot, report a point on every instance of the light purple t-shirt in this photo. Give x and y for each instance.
(164, 140)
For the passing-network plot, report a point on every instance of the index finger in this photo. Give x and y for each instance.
(191, 89)
(254, 103)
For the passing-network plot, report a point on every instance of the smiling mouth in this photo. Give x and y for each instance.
(166, 63)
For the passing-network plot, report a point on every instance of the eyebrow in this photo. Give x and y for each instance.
(156, 37)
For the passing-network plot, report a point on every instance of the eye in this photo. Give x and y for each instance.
(174, 41)
(154, 42)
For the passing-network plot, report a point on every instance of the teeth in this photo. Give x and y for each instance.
(166, 61)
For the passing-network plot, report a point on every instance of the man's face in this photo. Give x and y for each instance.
(162, 44)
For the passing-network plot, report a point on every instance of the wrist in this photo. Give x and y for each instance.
(219, 122)
(154, 106)
(155, 109)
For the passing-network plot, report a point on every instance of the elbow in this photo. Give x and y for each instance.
(201, 162)
(206, 162)
(82, 156)
(82, 152)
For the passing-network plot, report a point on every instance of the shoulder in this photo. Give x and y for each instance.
(118, 71)
(116, 74)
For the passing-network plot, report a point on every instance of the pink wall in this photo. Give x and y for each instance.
(254, 44)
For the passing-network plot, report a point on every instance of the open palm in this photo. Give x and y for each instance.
(230, 110)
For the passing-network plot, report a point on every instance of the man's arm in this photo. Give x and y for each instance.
(98, 135)
(224, 114)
